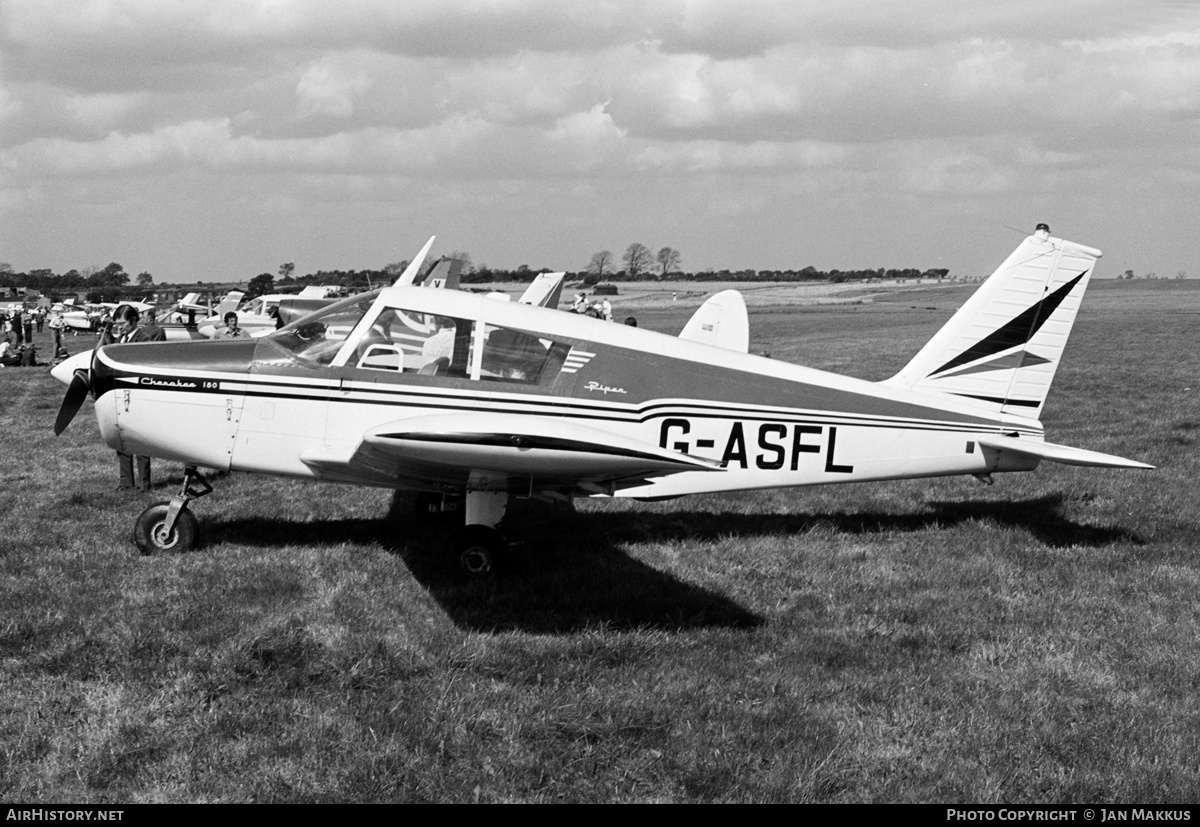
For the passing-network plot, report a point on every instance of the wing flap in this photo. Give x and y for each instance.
(1059, 453)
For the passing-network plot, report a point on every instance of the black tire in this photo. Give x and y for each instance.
(148, 533)
(481, 550)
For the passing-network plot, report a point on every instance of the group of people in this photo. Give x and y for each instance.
(599, 309)
(17, 348)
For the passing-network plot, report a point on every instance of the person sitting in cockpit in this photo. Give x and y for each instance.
(440, 345)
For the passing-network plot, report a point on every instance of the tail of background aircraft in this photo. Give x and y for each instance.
(544, 291)
(444, 274)
(1003, 346)
(721, 321)
(231, 301)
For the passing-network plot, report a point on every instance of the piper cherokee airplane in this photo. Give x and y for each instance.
(444, 392)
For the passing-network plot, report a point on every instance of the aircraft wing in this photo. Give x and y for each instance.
(1059, 453)
(501, 452)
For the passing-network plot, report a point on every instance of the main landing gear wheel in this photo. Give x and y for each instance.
(151, 536)
(481, 550)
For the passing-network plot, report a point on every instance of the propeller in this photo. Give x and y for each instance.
(78, 368)
(77, 391)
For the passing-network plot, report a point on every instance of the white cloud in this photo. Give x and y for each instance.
(10, 107)
(329, 88)
(725, 156)
(587, 139)
(101, 112)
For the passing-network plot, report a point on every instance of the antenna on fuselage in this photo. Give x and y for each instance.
(410, 273)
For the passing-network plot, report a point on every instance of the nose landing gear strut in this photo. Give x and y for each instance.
(169, 526)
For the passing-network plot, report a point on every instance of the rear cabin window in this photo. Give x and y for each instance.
(517, 356)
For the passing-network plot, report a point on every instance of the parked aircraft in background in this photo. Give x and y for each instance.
(449, 393)
(88, 316)
(259, 316)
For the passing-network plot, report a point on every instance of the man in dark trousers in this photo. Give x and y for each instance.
(125, 330)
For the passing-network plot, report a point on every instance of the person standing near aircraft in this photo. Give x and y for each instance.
(56, 326)
(232, 330)
(149, 327)
(9, 357)
(124, 330)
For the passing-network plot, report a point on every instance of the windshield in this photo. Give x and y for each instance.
(318, 337)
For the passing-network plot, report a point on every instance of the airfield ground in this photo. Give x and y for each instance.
(1037, 641)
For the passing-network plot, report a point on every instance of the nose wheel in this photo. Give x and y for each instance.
(155, 532)
(169, 527)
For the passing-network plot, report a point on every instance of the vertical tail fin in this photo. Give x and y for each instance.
(1003, 346)
(544, 291)
(720, 321)
(231, 301)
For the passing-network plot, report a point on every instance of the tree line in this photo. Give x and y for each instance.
(638, 263)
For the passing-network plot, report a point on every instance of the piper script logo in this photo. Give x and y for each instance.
(605, 389)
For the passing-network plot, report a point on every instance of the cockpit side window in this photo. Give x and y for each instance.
(318, 338)
(410, 341)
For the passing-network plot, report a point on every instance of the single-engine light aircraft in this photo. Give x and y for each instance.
(445, 392)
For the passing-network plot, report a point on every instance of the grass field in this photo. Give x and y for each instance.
(1036, 641)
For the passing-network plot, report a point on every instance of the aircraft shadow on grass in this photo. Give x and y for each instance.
(551, 587)
(572, 572)
(1041, 516)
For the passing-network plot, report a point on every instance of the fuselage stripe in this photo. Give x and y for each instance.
(331, 391)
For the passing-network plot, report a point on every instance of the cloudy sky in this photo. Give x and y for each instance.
(216, 140)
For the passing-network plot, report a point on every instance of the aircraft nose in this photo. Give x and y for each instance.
(64, 371)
